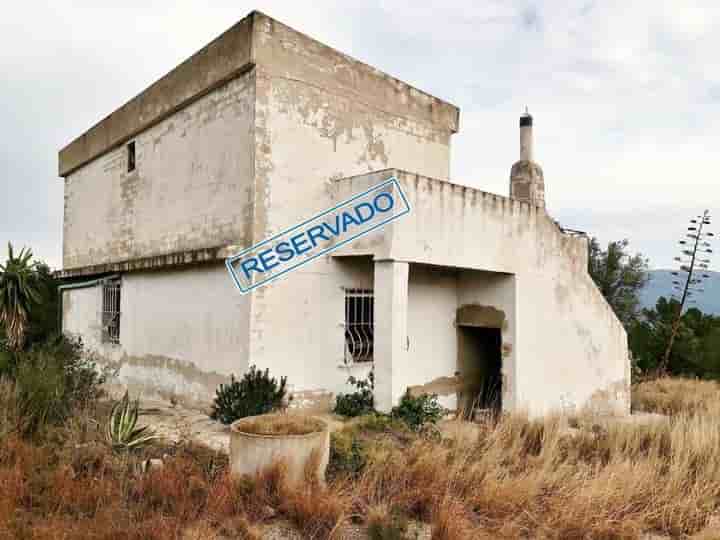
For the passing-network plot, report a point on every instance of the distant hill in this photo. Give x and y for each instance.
(660, 284)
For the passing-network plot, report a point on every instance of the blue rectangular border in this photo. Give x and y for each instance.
(392, 180)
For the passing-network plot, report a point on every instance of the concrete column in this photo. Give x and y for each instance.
(390, 348)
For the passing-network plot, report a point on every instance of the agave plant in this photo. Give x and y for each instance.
(122, 431)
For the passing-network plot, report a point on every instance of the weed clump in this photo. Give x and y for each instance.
(359, 402)
(417, 411)
(51, 381)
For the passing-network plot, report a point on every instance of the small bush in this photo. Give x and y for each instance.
(347, 453)
(418, 411)
(51, 379)
(383, 524)
(256, 393)
(376, 422)
(359, 402)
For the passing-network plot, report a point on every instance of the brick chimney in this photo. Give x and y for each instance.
(526, 177)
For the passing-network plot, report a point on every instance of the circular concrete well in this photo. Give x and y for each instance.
(256, 442)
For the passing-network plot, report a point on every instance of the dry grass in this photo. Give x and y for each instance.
(519, 478)
(281, 424)
(677, 395)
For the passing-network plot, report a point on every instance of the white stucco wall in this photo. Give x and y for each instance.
(569, 349)
(301, 335)
(265, 151)
(313, 125)
(190, 189)
(82, 315)
(250, 158)
(181, 332)
(432, 336)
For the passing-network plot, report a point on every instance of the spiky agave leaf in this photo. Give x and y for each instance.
(122, 431)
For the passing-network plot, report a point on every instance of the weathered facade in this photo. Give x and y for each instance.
(479, 298)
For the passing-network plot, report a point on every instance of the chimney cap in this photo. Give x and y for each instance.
(526, 119)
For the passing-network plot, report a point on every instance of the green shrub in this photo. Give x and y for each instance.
(359, 402)
(347, 453)
(418, 411)
(256, 393)
(7, 363)
(378, 422)
(51, 379)
(42, 392)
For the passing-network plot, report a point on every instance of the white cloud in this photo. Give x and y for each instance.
(625, 94)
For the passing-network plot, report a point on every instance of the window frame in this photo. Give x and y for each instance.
(359, 325)
(111, 313)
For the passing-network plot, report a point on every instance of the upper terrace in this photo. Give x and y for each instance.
(463, 227)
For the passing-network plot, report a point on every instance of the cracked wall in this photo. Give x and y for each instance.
(182, 332)
(568, 349)
(191, 187)
(321, 115)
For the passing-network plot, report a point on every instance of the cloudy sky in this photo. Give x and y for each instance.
(624, 95)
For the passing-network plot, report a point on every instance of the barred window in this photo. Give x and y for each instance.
(359, 325)
(111, 311)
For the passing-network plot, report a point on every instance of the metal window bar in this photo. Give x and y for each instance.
(359, 325)
(111, 312)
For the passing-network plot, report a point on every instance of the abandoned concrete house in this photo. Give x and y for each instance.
(477, 297)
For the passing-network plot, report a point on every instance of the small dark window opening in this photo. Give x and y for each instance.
(111, 311)
(131, 156)
(359, 325)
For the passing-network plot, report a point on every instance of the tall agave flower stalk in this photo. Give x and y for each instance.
(122, 431)
(694, 246)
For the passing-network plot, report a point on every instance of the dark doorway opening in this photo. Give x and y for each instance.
(480, 364)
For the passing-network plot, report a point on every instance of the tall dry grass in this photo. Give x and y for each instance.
(530, 478)
(674, 396)
(516, 478)
(521, 478)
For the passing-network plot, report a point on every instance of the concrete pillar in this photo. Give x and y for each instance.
(390, 347)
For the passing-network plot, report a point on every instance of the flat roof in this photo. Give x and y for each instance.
(233, 53)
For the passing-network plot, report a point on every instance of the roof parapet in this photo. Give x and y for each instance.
(248, 43)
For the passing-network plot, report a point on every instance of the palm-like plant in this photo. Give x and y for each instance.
(18, 292)
(122, 433)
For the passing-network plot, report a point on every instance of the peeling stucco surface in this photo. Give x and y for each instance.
(320, 115)
(157, 377)
(442, 386)
(220, 61)
(562, 343)
(298, 128)
(190, 190)
(182, 332)
(478, 315)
